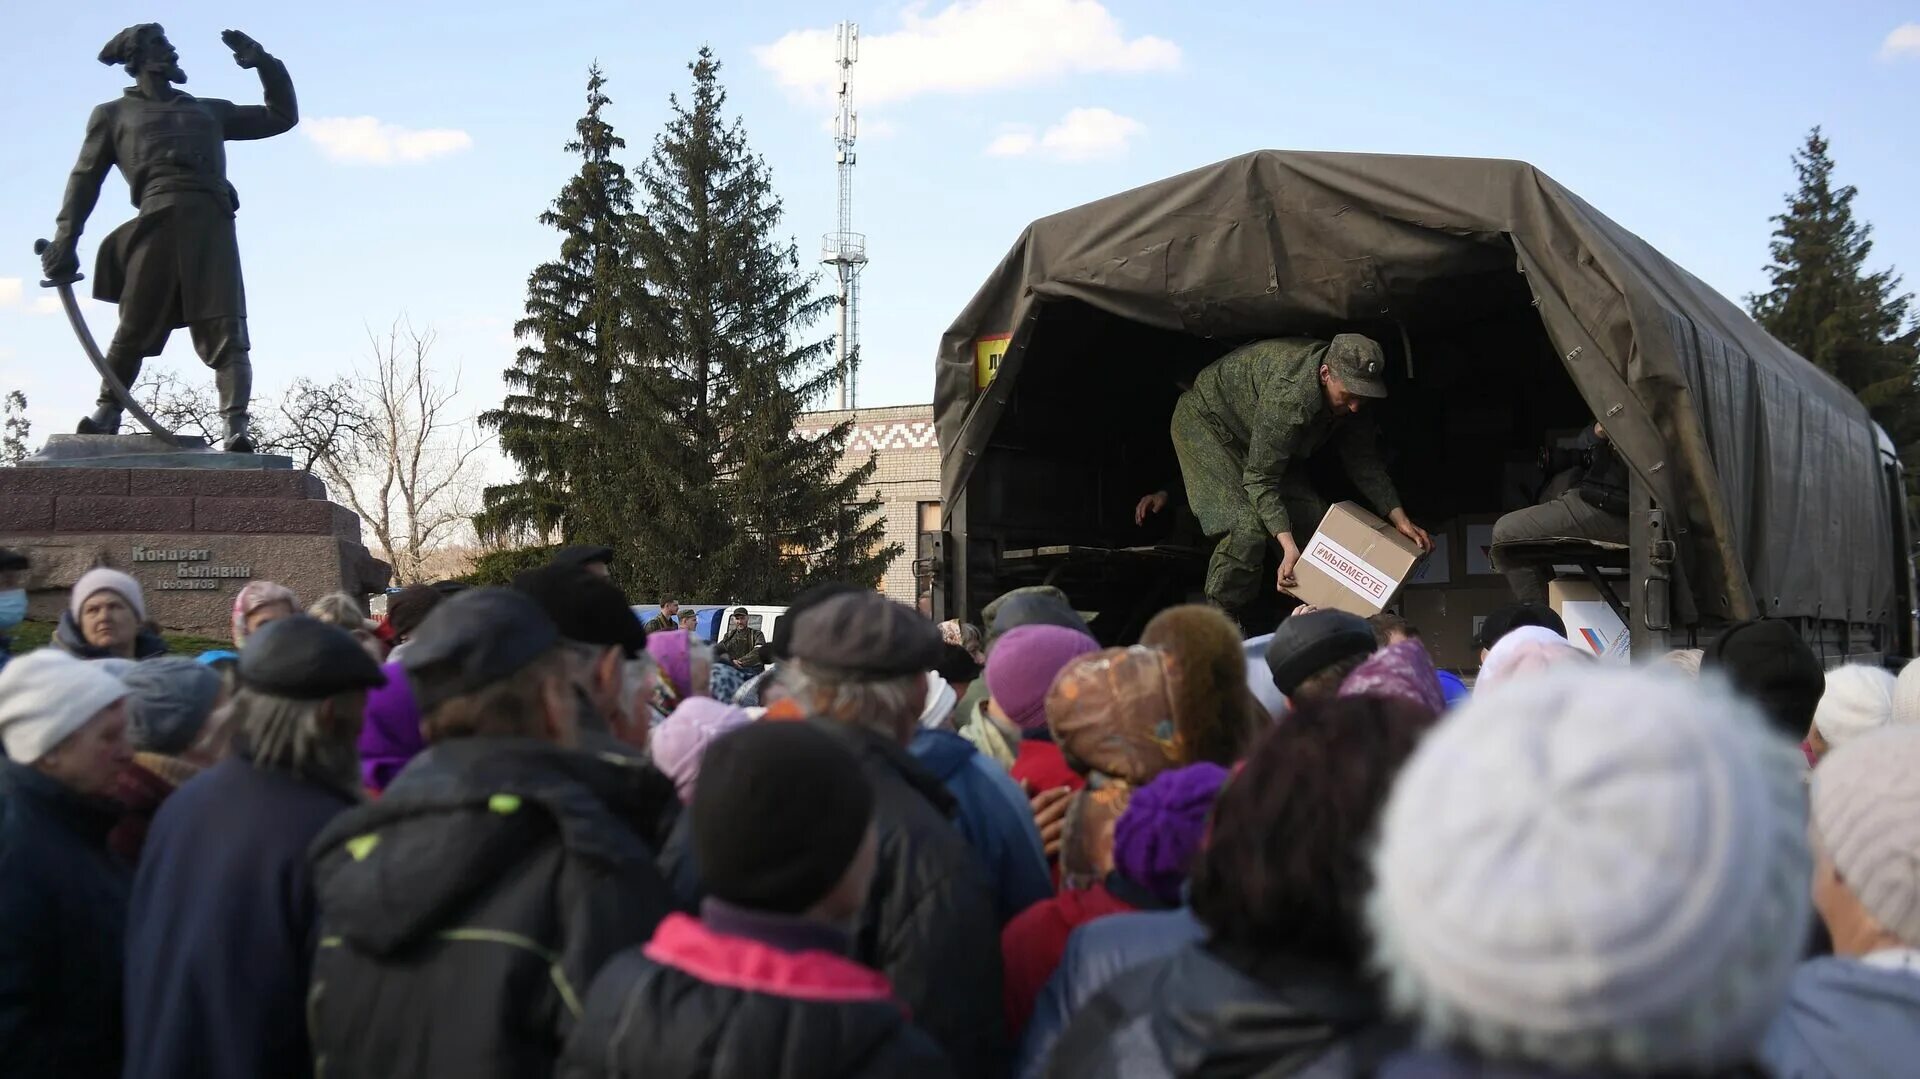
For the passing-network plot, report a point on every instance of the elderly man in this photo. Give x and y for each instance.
(1857, 1012)
(464, 914)
(1243, 435)
(63, 897)
(177, 263)
(742, 644)
(859, 664)
(105, 617)
(607, 645)
(221, 935)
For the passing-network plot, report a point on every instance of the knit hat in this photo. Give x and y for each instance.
(1023, 665)
(1307, 644)
(103, 579)
(1595, 869)
(1906, 695)
(1858, 699)
(390, 737)
(682, 739)
(47, 695)
(940, 701)
(1164, 826)
(1505, 620)
(1525, 652)
(1770, 663)
(170, 698)
(1221, 711)
(779, 816)
(254, 595)
(1400, 672)
(1866, 812)
(671, 649)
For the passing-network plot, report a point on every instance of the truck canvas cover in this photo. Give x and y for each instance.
(1769, 470)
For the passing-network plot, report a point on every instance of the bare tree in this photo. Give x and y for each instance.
(309, 423)
(410, 467)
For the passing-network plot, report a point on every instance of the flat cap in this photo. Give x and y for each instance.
(866, 635)
(585, 606)
(582, 554)
(783, 629)
(473, 640)
(305, 659)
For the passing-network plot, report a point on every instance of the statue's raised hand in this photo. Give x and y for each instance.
(246, 51)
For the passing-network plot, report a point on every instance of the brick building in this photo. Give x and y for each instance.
(906, 480)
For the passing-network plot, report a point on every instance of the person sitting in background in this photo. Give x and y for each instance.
(683, 738)
(1524, 653)
(104, 617)
(1154, 844)
(742, 643)
(1020, 670)
(171, 703)
(1116, 717)
(1856, 1014)
(1311, 654)
(1280, 984)
(406, 609)
(1638, 896)
(1858, 700)
(258, 603)
(463, 914)
(1593, 508)
(1769, 663)
(343, 611)
(1223, 716)
(667, 620)
(222, 924)
(859, 665)
(760, 983)
(63, 896)
(13, 598)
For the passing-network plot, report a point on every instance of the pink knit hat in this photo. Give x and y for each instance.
(683, 737)
(1022, 667)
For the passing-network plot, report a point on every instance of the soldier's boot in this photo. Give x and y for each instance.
(106, 413)
(235, 382)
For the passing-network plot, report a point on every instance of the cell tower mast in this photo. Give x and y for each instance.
(846, 250)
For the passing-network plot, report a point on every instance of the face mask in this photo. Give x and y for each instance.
(13, 607)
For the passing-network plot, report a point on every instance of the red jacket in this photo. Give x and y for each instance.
(1031, 945)
(1040, 766)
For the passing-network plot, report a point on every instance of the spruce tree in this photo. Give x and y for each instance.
(1825, 305)
(559, 422)
(748, 507)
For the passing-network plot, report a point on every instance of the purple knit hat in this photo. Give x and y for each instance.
(391, 736)
(669, 649)
(1024, 663)
(1403, 672)
(1164, 827)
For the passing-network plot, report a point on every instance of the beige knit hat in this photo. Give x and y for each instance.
(1866, 812)
(1858, 700)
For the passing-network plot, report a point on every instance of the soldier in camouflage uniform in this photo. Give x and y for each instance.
(1243, 434)
(742, 644)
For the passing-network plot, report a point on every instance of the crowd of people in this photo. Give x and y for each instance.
(516, 831)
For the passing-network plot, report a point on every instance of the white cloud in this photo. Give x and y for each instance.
(1081, 135)
(14, 297)
(367, 140)
(1903, 41)
(12, 292)
(968, 46)
(46, 305)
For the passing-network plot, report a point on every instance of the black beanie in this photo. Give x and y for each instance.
(778, 815)
(1509, 618)
(1770, 664)
(1307, 644)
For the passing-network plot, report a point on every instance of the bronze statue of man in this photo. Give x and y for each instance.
(177, 263)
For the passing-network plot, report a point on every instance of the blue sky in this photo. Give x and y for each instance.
(431, 137)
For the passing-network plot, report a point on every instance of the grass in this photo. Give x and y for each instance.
(28, 636)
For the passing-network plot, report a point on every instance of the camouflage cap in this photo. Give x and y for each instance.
(1359, 364)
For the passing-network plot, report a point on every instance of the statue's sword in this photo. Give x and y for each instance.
(112, 381)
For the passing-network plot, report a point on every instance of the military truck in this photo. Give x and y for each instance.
(1510, 311)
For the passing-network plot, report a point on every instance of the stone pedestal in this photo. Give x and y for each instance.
(190, 536)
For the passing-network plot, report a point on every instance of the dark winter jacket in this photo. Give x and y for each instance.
(746, 994)
(1098, 953)
(1441, 1064)
(220, 937)
(63, 921)
(464, 914)
(68, 638)
(1201, 1012)
(995, 817)
(1845, 1018)
(929, 923)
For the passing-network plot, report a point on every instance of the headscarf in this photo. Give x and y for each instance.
(681, 740)
(1401, 672)
(1524, 652)
(1115, 714)
(724, 682)
(669, 648)
(254, 595)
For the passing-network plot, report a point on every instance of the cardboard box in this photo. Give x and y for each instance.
(1435, 570)
(1476, 542)
(1591, 623)
(1354, 562)
(1449, 619)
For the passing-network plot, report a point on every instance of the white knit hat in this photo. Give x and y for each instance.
(46, 696)
(1857, 699)
(1523, 653)
(1595, 868)
(1866, 811)
(1906, 695)
(104, 579)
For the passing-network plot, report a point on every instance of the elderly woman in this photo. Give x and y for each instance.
(105, 619)
(342, 610)
(260, 602)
